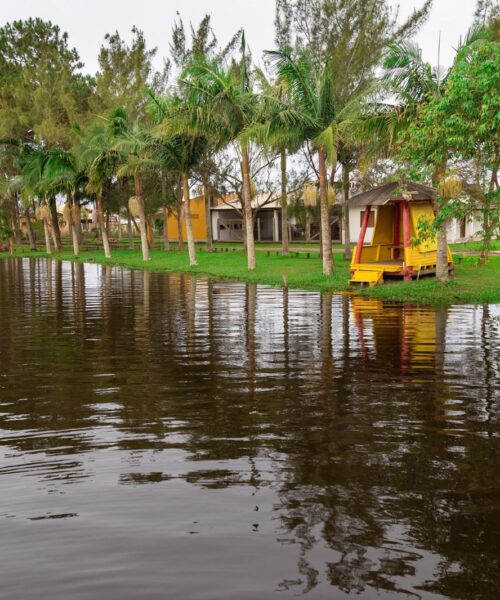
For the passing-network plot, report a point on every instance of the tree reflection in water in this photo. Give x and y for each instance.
(365, 433)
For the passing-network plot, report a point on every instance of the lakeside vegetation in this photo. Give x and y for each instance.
(469, 284)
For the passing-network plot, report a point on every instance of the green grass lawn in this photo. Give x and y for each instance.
(470, 283)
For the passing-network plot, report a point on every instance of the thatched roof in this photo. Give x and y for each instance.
(393, 191)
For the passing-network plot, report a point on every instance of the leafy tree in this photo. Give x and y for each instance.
(466, 121)
(42, 93)
(311, 91)
(124, 73)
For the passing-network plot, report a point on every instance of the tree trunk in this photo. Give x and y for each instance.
(77, 220)
(166, 243)
(29, 228)
(71, 226)
(15, 220)
(247, 208)
(47, 236)
(345, 212)
(56, 232)
(150, 234)
(119, 226)
(326, 238)
(180, 238)
(142, 217)
(442, 273)
(102, 227)
(489, 220)
(308, 228)
(189, 222)
(129, 231)
(284, 205)
(207, 191)
(46, 230)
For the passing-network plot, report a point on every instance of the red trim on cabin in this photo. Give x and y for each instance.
(362, 234)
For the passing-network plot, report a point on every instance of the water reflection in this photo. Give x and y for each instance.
(252, 439)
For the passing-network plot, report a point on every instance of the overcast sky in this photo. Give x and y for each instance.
(88, 21)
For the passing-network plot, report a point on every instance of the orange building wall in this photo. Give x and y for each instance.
(198, 215)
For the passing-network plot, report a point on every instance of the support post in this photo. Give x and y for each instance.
(362, 233)
(396, 227)
(406, 239)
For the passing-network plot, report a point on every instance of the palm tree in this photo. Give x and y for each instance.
(311, 95)
(98, 159)
(134, 146)
(222, 107)
(63, 177)
(179, 153)
(34, 185)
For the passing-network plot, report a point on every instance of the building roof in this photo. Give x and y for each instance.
(261, 200)
(383, 194)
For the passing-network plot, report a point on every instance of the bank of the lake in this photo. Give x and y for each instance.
(471, 283)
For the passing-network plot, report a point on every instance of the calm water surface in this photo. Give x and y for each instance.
(163, 436)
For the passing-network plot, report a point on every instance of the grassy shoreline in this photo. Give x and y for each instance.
(471, 284)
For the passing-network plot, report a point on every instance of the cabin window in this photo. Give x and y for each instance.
(371, 218)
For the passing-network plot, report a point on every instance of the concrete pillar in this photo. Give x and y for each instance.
(276, 231)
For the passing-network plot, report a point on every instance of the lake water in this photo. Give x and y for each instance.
(165, 436)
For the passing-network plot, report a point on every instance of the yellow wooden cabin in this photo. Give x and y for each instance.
(391, 253)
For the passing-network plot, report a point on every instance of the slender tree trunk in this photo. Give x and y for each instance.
(284, 205)
(102, 226)
(488, 219)
(46, 229)
(29, 228)
(77, 220)
(56, 232)
(247, 208)
(308, 228)
(326, 238)
(15, 220)
(119, 225)
(150, 233)
(142, 217)
(71, 226)
(180, 237)
(442, 273)
(129, 231)
(166, 243)
(207, 192)
(345, 212)
(189, 221)
(50, 220)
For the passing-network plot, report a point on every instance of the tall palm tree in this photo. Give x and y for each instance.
(179, 152)
(62, 176)
(134, 146)
(311, 95)
(223, 105)
(99, 160)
